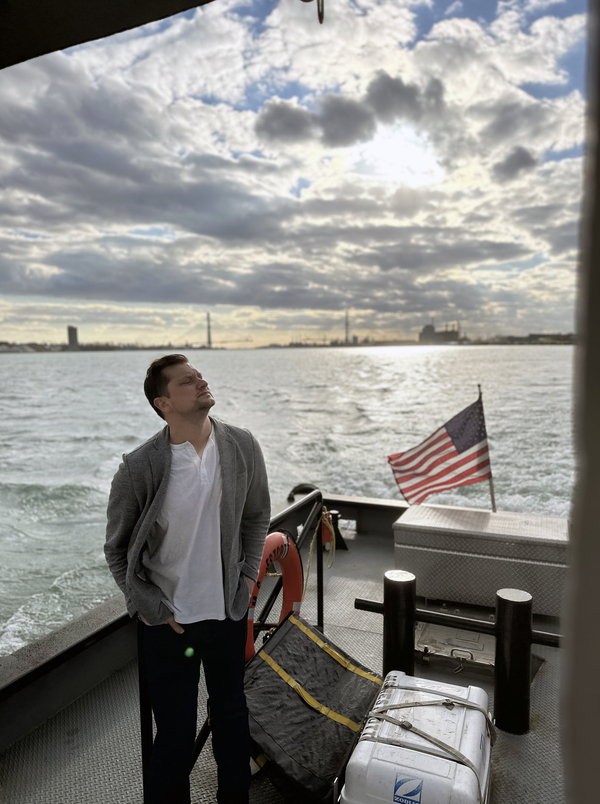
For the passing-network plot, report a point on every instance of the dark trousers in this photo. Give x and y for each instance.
(173, 683)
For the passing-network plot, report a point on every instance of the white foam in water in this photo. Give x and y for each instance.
(326, 416)
(70, 595)
(38, 617)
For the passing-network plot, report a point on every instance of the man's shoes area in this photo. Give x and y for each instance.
(233, 798)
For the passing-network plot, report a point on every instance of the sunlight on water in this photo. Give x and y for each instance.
(325, 416)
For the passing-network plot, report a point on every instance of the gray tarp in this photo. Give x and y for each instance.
(309, 748)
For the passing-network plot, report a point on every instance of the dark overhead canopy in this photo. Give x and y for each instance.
(30, 28)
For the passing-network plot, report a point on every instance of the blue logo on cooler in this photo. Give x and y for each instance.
(407, 791)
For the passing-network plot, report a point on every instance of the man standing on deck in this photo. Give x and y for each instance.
(187, 518)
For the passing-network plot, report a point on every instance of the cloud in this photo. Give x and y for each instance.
(155, 168)
(344, 121)
(517, 161)
(541, 5)
(340, 121)
(538, 215)
(440, 250)
(454, 8)
(285, 122)
(395, 258)
(514, 120)
(390, 98)
(477, 61)
(564, 239)
(345, 51)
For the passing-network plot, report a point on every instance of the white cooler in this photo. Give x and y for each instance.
(442, 757)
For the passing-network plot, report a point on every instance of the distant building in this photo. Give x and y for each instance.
(550, 337)
(534, 338)
(429, 335)
(73, 342)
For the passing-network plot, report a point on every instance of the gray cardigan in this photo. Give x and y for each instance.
(136, 497)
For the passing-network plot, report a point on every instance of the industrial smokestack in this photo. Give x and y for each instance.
(208, 337)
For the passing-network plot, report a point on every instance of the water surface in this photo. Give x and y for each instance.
(325, 416)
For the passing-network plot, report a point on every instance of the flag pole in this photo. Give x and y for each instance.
(492, 496)
(491, 480)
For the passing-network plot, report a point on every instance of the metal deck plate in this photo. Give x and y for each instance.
(89, 753)
(439, 640)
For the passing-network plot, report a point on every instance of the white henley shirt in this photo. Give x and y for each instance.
(186, 563)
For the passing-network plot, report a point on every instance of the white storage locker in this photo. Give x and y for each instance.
(444, 545)
(440, 755)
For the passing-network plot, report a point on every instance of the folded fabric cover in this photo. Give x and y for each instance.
(307, 700)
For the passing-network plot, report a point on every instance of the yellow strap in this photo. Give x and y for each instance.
(334, 654)
(324, 710)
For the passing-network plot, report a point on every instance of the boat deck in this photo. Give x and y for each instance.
(90, 752)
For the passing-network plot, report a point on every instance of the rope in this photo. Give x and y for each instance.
(322, 519)
(310, 555)
(444, 699)
(326, 521)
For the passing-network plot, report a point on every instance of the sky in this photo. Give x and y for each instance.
(405, 161)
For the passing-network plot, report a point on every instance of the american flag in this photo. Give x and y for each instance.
(455, 455)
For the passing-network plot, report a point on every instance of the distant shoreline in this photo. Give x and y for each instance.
(37, 348)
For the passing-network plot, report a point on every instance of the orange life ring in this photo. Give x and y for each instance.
(281, 549)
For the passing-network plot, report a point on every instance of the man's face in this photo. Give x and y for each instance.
(187, 391)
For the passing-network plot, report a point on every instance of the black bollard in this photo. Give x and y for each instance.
(399, 601)
(512, 677)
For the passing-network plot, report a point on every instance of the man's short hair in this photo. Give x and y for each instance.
(156, 383)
